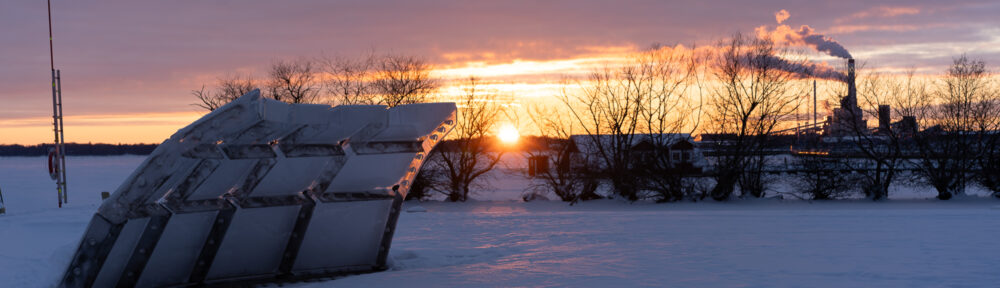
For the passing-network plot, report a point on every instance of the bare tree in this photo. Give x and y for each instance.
(608, 108)
(756, 92)
(468, 157)
(989, 166)
(351, 80)
(572, 180)
(668, 111)
(293, 81)
(228, 89)
(402, 80)
(883, 152)
(374, 79)
(822, 177)
(641, 100)
(965, 117)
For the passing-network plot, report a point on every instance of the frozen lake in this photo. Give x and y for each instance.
(762, 243)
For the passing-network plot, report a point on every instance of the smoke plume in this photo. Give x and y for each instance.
(804, 36)
(781, 16)
(806, 69)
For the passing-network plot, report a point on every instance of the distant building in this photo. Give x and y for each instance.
(849, 118)
(684, 155)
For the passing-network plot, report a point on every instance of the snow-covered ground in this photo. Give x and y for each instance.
(762, 243)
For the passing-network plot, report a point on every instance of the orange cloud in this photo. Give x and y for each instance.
(881, 12)
(847, 29)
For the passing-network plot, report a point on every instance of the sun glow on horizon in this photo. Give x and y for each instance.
(508, 134)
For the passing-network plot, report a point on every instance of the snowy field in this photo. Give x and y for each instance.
(505, 243)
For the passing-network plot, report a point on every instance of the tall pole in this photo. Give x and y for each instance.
(814, 104)
(52, 61)
(57, 120)
(62, 141)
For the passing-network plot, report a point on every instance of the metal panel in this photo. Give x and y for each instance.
(177, 250)
(220, 225)
(295, 239)
(120, 253)
(228, 175)
(300, 174)
(94, 248)
(255, 242)
(345, 224)
(258, 190)
(390, 229)
(143, 248)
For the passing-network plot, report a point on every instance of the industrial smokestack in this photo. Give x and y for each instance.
(852, 91)
(848, 118)
(884, 118)
(815, 119)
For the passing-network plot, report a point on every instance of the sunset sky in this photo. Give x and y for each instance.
(129, 66)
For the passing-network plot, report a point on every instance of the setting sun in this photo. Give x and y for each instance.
(508, 134)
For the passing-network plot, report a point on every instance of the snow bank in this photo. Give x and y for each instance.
(766, 243)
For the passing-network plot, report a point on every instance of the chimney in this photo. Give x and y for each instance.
(852, 92)
(884, 117)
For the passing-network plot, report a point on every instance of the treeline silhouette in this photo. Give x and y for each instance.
(743, 96)
(79, 149)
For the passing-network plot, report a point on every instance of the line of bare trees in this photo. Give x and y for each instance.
(614, 130)
(631, 114)
(755, 95)
(373, 79)
(642, 101)
(952, 140)
(751, 90)
(390, 80)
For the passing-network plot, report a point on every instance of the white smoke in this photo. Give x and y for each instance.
(781, 16)
(804, 36)
(806, 69)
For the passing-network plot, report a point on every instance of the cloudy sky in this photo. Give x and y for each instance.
(129, 66)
